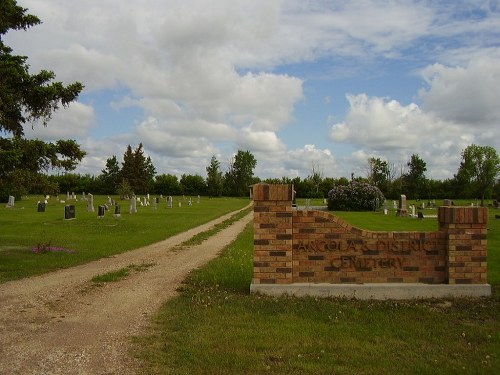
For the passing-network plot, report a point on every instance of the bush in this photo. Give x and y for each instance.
(357, 196)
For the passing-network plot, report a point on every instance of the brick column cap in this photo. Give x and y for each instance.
(268, 192)
(462, 215)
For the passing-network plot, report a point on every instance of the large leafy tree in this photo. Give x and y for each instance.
(26, 97)
(214, 178)
(22, 162)
(240, 174)
(414, 179)
(479, 170)
(379, 174)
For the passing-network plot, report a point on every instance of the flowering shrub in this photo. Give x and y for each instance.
(357, 196)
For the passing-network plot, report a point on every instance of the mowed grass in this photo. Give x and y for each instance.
(65, 243)
(216, 327)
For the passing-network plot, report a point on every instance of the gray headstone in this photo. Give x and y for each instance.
(90, 206)
(133, 205)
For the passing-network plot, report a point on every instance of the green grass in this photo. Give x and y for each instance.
(115, 276)
(215, 327)
(87, 238)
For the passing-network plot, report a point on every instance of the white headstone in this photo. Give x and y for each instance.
(90, 205)
(170, 201)
(133, 205)
(11, 202)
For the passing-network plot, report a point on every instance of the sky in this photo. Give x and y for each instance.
(301, 84)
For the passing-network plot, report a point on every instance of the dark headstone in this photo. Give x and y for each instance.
(100, 211)
(69, 212)
(41, 207)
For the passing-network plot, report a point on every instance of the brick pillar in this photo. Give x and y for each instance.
(466, 229)
(272, 234)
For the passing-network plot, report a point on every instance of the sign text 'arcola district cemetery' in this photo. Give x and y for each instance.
(307, 252)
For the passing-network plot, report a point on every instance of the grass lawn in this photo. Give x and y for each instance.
(65, 243)
(215, 327)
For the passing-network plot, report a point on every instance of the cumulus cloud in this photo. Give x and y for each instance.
(466, 95)
(72, 122)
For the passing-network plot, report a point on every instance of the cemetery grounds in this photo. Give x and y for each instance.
(211, 325)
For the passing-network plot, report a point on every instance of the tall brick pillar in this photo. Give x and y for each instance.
(272, 234)
(466, 229)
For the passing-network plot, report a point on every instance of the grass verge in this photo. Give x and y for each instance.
(120, 274)
(215, 327)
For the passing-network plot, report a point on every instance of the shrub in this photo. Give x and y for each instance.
(357, 196)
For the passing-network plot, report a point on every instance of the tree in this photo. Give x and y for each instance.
(167, 184)
(315, 179)
(414, 179)
(240, 174)
(214, 178)
(193, 184)
(111, 175)
(138, 170)
(479, 169)
(22, 162)
(379, 174)
(25, 97)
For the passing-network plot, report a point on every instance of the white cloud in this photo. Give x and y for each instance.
(466, 95)
(72, 122)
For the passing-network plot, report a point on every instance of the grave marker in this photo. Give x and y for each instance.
(133, 205)
(41, 207)
(69, 212)
(101, 211)
(402, 211)
(117, 211)
(11, 201)
(90, 206)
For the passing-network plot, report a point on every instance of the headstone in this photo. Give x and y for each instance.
(133, 205)
(109, 200)
(90, 206)
(394, 205)
(190, 203)
(155, 204)
(412, 210)
(11, 202)
(420, 215)
(83, 196)
(41, 207)
(402, 211)
(73, 196)
(101, 210)
(170, 201)
(198, 199)
(67, 195)
(385, 207)
(69, 212)
(447, 202)
(180, 204)
(117, 211)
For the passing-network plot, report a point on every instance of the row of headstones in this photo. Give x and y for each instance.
(69, 210)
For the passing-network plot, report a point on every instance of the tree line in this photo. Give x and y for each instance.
(476, 178)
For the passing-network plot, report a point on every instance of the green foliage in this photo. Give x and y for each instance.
(240, 174)
(111, 175)
(357, 196)
(478, 171)
(214, 178)
(138, 170)
(193, 185)
(25, 97)
(167, 184)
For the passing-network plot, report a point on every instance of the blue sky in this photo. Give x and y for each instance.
(298, 83)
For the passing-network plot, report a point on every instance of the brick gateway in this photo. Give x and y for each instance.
(307, 252)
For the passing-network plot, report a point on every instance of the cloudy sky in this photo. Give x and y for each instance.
(296, 82)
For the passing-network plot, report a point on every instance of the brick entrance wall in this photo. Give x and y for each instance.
(293, 246)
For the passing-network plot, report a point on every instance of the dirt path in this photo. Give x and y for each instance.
(60, 323)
